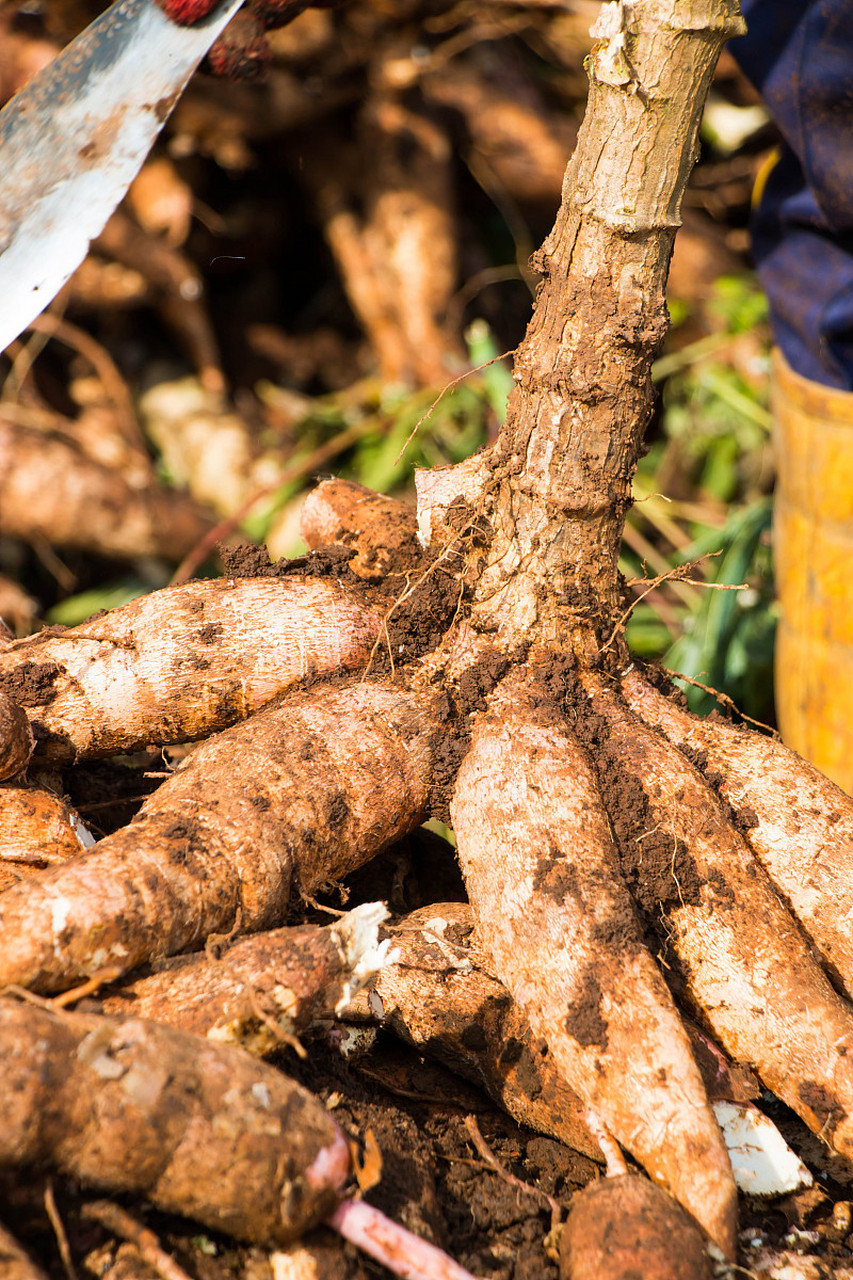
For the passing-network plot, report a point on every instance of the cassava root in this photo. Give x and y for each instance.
(15, 1262)
(441, 996)
(50, 488)
(381, 531)
(37, 829)
(565, 940)
(626, 1226)
(299, 795)
(798, 824)
(263, 990)
(310, 787)
(181, 663)
(16, 738)
(736, 951)
(134, 1106)
(130, 1105)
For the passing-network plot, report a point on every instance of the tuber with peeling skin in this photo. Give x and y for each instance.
(301, 794)
(16, 738)
(798, 824)
(132, 1106)
(264, 988)
(441, 997)
(729, 942)
(624, 1227)
(37, 829)
(543, 878)
(451, 498)
(181, 663)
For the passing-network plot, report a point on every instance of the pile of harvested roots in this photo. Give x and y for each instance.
(625, 863)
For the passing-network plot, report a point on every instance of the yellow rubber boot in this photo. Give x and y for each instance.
(813, 532)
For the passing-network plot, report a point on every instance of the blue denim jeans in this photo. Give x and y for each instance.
(799, 55)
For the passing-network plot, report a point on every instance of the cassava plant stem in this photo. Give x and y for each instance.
(566, 455)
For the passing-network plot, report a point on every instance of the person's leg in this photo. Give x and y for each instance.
(799, 55)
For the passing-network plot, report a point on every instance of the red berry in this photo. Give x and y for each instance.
(186, 12)
(241, 52)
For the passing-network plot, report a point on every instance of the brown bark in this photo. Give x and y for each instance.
(563, 464)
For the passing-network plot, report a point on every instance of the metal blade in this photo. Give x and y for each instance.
(74, 138)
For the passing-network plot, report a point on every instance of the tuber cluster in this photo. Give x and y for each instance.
(623, 862)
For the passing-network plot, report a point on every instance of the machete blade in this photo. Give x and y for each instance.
(74, 138)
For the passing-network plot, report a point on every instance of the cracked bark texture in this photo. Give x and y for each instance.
(562, 467)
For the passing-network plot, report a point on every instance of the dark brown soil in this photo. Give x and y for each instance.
(31, 684)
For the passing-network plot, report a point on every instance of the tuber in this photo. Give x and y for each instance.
(625, 1227)
(263, 989)
(200, 1129)
(302, 793)
(183, 662)
(37, 829)
(731, 947)
(798, 824)
(543, 877)
(16, 738)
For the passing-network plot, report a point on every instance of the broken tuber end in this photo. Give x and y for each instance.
(331, 1167)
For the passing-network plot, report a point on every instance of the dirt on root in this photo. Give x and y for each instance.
(417, 605)
(457, 708)
(432, 1180)
(32, 684)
